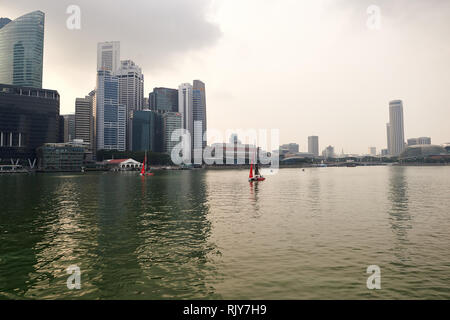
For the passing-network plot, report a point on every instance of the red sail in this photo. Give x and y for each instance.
(251, 171)
(143, 166)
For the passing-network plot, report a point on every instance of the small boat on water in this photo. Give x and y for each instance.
(256, 177)
(144, 172)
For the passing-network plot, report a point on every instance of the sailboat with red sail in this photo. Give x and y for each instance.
(257, 176)
(144, 172)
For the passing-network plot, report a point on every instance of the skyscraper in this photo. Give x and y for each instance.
(396, 128)
(110, 114)
(22, 50)
(164, 100)
(108, 56)
(185, 105)
(313, 145)
(69, 127)
(171, 121)
(131, 92)
(199, 115)
(84, 120)
(147, 131)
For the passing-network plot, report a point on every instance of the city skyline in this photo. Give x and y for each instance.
(343, 102)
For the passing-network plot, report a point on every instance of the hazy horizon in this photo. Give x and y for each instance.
(309, 68)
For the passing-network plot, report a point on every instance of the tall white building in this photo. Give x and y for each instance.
(110, 114)
(131, 92)
(185, 106)
(396, 128)
(108, 56)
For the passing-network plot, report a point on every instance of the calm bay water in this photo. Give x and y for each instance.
(211, 235)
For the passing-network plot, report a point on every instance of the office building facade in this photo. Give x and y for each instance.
(61, 157)
(163, 100)
(185, 102)
(199, 117)
(22, 50)
(69, 127)
(147, 131)
(171, 121)
(29, 117)
(111, 116)
(131, 93)
(108, 56)
(84, 120)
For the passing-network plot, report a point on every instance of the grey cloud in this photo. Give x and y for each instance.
(154, 31)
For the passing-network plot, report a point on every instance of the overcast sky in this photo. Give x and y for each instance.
(307, 67)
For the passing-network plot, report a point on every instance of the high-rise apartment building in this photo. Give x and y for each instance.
(131, 93)
(396, 128)
(171, 121)
(313, 145)
(110, 115)
(22, 50)
(108, 56)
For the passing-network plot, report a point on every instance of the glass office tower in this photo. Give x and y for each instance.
(199, 111)
(110, 114)
(22, 50)
(147, 131)
(164, 100)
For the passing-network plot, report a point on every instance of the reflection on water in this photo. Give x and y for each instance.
(399, 216)
(210, 234)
